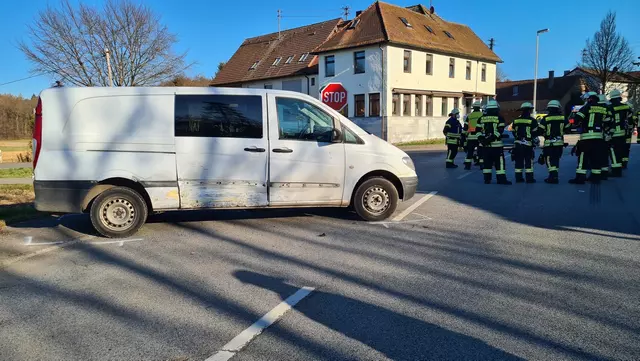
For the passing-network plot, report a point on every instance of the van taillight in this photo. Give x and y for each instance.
(37, 133)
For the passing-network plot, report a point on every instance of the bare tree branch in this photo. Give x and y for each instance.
(71, 41)
(607, 55)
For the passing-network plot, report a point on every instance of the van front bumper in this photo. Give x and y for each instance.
(61, 196)
(409, 186)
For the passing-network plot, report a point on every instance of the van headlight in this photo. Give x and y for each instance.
(409, 163)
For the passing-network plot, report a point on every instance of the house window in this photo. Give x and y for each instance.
(445, 110)
(329, 65)
(448, 34)
(255, 65)
(406, 22)
(515, 90)
(359, 102)
(429, 64)
(395, 104)
(268, 86)
(456, 103)
(406, 104)
(407, 61)
(483, 74)
(289, 60)
(428, 106)
(276, 62)
(303, 57)
(468, 74)
(418, 102)
(358, 62)
(313, 81)
(374, 104)
(452, 68)
(429, 29)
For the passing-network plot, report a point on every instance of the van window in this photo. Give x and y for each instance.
(350, 137)
(223, 116)
(299, 120)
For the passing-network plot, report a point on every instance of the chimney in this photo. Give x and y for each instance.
(566, 72)
(358, 13)
(551, 78)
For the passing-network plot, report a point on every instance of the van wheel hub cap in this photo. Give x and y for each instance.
(117, 214)
(376, 200)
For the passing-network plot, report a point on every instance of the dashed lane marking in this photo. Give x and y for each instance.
(239, 342)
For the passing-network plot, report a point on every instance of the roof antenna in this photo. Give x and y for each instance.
(346, 12)
(279, 17)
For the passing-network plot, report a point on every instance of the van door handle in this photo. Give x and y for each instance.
(254, 149)
(282, 150)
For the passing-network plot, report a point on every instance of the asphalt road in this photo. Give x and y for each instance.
(476, 272)
(15, 165)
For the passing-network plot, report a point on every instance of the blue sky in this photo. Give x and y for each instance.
(211, 30)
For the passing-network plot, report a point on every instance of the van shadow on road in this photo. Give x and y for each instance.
(397, 336)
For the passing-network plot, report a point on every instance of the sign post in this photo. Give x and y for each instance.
(334, 95)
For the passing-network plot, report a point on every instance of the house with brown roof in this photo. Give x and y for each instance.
(404, 68)
(566, 89)
(278, 60)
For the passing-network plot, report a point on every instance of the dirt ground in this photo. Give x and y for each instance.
(12, 150)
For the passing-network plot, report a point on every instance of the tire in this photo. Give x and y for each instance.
(118, 212)
(375, 199)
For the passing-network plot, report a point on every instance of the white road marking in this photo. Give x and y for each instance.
(239, 342)
(413, 207)
(386, 224)
(465, 175)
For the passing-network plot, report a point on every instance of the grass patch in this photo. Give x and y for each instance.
(16, 203)
(16, 173)
(421, 142)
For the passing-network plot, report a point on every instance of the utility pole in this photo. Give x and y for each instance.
(279, 17)
(535, 77)
(492, 43)
(346, 12)
(107, 55)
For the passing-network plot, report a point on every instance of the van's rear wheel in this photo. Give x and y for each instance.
(375, 199)
(118, 212)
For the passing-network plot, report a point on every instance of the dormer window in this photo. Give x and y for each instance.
(255, 65)
(406, 22)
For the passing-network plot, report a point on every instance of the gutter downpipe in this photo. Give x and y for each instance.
(383, 97)
(308, 90)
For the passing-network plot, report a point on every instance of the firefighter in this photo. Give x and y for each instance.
(525, 129)
(633, 123)
(470, 131)
(622, 120)
(490, 136)
(552, 127)
(607, 157)
(592, 119)
(452, 132)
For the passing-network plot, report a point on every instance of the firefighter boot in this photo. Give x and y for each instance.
(579, 179)
(530, 178)
(624, 164)
(519, 178)
(487, 178)
(502, 179)
(605, 174)
(467, 166)
(616, 172)
(451, 165)
(552, 179)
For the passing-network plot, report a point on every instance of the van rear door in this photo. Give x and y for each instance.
(221, 150)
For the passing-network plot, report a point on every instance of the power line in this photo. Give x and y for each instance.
(29, 77)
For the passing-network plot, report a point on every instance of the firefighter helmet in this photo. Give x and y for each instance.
(492, 104)
(615, 93)
(554, 104)
(526, 105)
(455, 111)
(476, 104)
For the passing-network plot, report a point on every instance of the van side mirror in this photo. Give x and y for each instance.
(336, 136)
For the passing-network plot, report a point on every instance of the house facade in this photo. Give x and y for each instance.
(404, 70)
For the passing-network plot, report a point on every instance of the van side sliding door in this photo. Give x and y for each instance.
(221, 150)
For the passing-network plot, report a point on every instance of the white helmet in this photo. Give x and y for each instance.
(526, 105)
(615, 93)
(476, 104)
(602, 99)
(455, 111)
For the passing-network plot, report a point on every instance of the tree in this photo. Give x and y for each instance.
(606, 55)
(183, 80)
(71, 41)
(220, 66)
(500, 74)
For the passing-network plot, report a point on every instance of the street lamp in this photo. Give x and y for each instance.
(535, 77)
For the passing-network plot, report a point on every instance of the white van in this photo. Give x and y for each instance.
(121, 153)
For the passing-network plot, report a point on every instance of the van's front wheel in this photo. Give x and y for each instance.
(118, 212)
(375, 199)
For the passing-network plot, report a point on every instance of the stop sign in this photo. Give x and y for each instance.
(334, 95)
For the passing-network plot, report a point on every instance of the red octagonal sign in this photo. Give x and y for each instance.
(334, 95)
